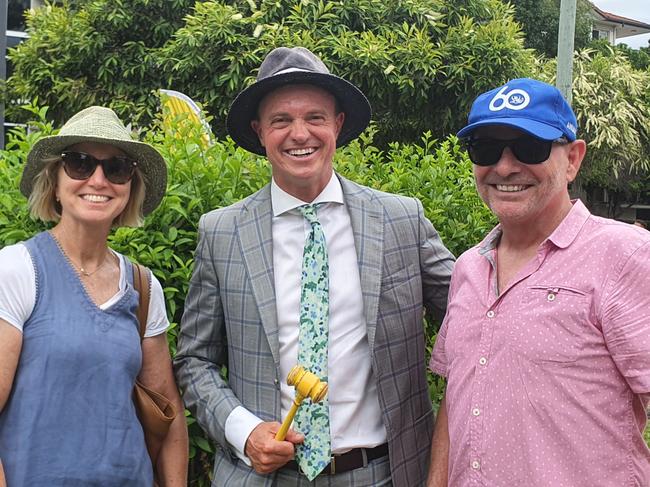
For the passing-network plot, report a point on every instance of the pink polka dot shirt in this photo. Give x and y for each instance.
(549, 379)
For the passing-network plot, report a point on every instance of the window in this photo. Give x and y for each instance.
(600, 34)
(643, 214)
(15, 14)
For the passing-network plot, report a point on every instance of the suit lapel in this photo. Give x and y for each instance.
(367, 219)
(255, 240)
(256, 245)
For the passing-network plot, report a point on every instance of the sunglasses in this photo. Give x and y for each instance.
(80, 166)
(486, 151)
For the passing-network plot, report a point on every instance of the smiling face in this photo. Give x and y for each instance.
(298, 126)
(528, 194)
(94, 200)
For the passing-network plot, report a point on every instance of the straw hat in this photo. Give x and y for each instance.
(295, 65)
(100, 125)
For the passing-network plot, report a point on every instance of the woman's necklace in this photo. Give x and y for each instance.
(83, 272)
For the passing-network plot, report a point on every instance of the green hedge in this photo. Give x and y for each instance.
(200, 179)
(437, 55)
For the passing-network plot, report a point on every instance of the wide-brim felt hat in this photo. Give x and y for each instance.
(295, 65)
(100, 125)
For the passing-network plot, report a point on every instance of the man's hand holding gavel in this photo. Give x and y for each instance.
(271, 445)
(265, 452)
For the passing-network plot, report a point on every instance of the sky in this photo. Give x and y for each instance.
(632, 9)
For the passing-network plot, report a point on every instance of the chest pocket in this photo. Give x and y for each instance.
(398, 268)
(553, 323)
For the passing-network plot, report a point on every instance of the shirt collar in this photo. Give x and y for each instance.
(282, 202)
(565, 233)
(490, 241)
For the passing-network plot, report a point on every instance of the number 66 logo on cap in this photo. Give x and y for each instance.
(514, 100)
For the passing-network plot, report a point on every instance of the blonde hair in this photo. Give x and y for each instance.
(44, 205)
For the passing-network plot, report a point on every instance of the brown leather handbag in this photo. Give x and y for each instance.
(154, 410)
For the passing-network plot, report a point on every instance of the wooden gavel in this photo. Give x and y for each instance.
(307, 385)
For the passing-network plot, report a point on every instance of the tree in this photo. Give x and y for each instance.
(83, 53)
(540, 20)
(612, 103)
(639, 58)
(421, 62)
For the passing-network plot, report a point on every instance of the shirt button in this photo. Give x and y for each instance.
(482, 361)
(476, 411)
(490, 314)
(476, 465)
(276, 382)
(550, 296)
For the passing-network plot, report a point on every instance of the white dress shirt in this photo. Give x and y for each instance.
(355, 415)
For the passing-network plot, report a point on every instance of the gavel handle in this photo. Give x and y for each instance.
(282, 432)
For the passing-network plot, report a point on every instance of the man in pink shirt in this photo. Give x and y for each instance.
(546, 340)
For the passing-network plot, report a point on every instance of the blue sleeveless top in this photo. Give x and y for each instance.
(70, 418)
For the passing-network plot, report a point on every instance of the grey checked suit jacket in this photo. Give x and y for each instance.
(230, 320)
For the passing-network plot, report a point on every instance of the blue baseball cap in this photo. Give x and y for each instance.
(526, 104)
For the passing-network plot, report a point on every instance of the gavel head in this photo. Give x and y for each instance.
(307, 384)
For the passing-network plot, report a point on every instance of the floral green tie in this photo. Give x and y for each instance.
(313, 419)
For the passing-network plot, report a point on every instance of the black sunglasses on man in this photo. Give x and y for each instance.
(486, 151)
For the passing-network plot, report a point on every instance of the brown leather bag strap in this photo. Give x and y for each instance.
(142, 284)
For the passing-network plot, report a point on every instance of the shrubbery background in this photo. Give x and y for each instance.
(200, 179)
(420, 62)
(402, 54)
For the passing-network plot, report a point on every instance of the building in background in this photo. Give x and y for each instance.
(612, 27)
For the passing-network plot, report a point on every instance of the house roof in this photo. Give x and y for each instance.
(618, 19)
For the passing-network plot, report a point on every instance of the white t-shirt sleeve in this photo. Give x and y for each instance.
(157, 321)
(17, 285)
(18, 291)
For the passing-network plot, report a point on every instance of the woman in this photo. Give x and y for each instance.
(69, 343)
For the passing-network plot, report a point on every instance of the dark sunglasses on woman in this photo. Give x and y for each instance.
(80, 166)
(485, 151)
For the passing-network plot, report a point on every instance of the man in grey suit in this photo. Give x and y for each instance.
(386, 264)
